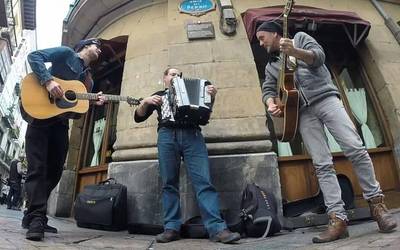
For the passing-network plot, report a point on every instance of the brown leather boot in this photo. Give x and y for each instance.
(381, 215)
(167, 236)
(337, 229)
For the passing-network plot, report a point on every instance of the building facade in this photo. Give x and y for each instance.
(142, 38)
(18, 38)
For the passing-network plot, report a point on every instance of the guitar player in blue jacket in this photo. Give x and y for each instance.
(47, 144)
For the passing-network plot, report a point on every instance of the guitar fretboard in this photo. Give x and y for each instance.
(94, 97)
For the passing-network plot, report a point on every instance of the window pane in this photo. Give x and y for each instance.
(351, 81)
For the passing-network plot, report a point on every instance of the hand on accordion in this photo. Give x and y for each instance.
(212, 90)
(153, 100)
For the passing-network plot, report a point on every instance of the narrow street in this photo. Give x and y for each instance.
(363, 235)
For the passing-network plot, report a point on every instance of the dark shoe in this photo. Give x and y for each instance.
(337, 229)
(50, 229)
(36, 230)
(225, 236)
(167, 236)
(381, 215)
(47, 228)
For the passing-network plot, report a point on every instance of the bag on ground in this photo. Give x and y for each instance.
(259, 212)
(102, 206)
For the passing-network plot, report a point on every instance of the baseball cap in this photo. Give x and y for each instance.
(82, 43)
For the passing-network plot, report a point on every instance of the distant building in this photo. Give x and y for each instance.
(17, 39)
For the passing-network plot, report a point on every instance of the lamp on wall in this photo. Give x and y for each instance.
(228, 21)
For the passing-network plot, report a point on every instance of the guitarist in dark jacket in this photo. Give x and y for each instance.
(47, 144)
(320, 105)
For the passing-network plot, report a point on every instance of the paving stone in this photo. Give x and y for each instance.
(363, 235)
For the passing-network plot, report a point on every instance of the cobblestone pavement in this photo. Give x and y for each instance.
(363, 235)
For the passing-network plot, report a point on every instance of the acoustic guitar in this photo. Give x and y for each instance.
(288, 96)
(37, 106)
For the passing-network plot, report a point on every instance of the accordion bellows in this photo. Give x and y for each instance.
(190, 100)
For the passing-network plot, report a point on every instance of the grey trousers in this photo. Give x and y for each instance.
(330, 111)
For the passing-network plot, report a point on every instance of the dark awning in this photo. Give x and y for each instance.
(355, 27)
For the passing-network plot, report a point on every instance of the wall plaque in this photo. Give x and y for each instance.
(196, 7)
(200, 30)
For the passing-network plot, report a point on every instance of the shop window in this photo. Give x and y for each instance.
(5, 61)
(352, 84)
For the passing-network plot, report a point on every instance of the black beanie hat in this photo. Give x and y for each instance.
(271, 26)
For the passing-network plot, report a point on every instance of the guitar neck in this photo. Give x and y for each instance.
(285, 35)
(94, 97)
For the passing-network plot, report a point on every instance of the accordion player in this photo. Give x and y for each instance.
(190, 101)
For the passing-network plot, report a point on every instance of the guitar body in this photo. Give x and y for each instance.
(37, 104)
(288, 102)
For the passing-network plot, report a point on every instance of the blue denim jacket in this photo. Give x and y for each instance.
(66, 64)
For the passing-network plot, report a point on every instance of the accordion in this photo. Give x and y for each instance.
(189, 100)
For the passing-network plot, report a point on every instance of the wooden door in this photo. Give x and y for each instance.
(107, 76)
(89, 173)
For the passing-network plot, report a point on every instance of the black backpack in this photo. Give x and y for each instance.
(259, 212)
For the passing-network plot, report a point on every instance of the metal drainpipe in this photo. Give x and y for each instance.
(392, 25)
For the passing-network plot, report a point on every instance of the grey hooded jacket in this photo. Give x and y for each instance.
(313, 81)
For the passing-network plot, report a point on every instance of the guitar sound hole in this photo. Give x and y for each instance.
(70, 95)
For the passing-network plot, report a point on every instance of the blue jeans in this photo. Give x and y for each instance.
(187, 143)
(330, 111)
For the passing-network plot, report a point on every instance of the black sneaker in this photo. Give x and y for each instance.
(226, 236)
(36, 230)
(167, 236)
(47, 228)
(50, 229)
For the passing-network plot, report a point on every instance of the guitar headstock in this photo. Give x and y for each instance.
(133, 101)
(288, 7)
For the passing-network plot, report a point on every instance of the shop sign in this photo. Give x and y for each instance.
(196, 7)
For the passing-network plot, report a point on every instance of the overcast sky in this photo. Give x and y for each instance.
(49, 18)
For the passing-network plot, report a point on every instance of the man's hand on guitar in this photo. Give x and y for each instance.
(273, 109)
(54, 89)
(286, 46)
(101, 99)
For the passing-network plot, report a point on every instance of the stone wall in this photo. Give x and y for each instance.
(229, 174)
